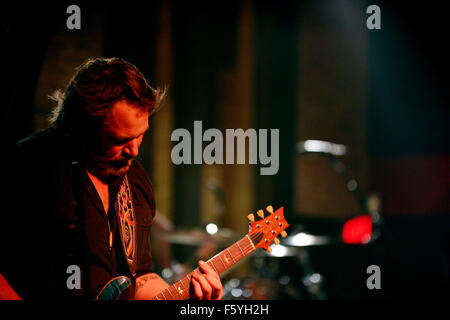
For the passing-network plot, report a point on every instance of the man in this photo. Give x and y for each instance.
(79, 207)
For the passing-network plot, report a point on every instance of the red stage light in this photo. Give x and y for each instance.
(357, 230)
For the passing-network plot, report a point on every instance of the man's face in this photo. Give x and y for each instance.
(119, 140)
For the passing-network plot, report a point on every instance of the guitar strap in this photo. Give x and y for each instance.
(127, 223)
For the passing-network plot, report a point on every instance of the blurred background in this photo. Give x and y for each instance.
(364, 170)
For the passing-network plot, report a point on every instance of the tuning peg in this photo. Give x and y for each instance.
(251, 217)
(260, 213)
(276, 240)
(283, 234)
(269, 209)
(269, 249)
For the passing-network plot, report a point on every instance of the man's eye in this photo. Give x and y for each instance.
(120, 141)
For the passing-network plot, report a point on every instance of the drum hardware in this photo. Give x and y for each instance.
(196, 237)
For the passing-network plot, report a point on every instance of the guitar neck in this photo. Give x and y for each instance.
(220, 262)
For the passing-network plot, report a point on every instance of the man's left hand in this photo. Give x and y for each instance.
(206, 285)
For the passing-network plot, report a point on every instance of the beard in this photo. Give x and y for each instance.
(103, 166)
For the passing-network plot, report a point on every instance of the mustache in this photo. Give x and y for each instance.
(119, 163)
(100, 162)
(122, 159)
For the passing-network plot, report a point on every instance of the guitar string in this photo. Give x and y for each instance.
(245, 250)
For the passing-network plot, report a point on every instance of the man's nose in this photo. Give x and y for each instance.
(132, 149)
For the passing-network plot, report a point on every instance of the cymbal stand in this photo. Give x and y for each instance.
(312, 280)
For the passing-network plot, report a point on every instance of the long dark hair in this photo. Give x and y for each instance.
(91, 92)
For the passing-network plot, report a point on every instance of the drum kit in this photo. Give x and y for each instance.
(287, 272)
(273, 275)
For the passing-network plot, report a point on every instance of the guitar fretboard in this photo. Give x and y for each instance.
(220, 262)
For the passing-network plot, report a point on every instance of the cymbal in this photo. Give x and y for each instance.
(303, 239)
(223, 237)
(278, 251)
(320, 146)
(288, 246)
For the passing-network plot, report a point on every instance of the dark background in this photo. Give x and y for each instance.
(405, 116)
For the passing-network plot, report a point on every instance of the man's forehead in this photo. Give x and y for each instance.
(127, 119)
(124, 108)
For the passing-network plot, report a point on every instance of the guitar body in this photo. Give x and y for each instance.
(114, 288)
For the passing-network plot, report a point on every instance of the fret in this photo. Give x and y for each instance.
(189, 276)
(172, 294)
(187, 284)
(184, 287)
(251, 243)
(186, 281)
(247, 243)
(178, 289)
(237, 243)
(231, 256)
(168, 293)
(164, 296)
(211, 263)
(220, 257)
(235, 252)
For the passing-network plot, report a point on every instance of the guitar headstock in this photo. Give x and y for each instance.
(266, 230)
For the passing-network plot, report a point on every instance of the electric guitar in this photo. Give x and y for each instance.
(262, 233)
